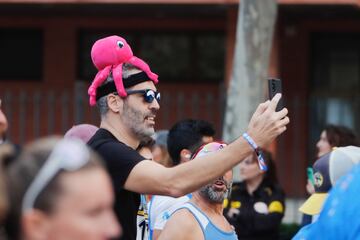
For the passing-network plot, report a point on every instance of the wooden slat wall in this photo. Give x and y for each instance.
(33, 113)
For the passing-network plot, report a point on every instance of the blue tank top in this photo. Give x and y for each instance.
(210, 231)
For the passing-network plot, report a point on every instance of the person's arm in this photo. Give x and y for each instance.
(151, 178)
(182, 226)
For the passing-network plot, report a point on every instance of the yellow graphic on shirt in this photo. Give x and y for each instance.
(235, 204)
(276, 206)
(225, 203)
(142, 213)
(318, 179)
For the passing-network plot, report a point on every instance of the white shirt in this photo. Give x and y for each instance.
(161, 208)
(142, 220)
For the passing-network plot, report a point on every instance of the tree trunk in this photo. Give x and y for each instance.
(248, 84)
(255, 28)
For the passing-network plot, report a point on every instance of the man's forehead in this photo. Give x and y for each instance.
(144, 85)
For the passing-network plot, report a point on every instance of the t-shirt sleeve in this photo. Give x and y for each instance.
(120, 160)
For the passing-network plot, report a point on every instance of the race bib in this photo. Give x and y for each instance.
(142, 221)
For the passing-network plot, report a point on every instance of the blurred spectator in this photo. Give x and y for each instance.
(3, 125)
(256, 205)
(332, 136)
(142, 220)
(82, 131)
(64, 192)
(3, 197)
(187, 135)
(339, 217)
(159, 150)
(5, 149)
(145, 148)
(327, 170)
(335, 136)
(202, 217)
(183, 138)
(3, 129)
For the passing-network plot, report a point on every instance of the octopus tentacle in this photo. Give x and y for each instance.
(137, 62)
(117, 74)
(98, 80)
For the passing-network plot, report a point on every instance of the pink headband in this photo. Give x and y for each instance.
(109, 54)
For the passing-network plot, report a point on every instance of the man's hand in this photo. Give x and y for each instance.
(266, 124)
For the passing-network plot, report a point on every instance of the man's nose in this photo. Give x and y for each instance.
(155, 104)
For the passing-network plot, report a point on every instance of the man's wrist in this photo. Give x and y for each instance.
(257, 151)
(258, 139)
(250, 141)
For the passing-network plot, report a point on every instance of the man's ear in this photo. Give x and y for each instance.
(114, 102)
(185, 155)
(35, 225)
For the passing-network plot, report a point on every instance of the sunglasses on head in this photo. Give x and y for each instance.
(208, 148)
(69, 155)
(148, 94)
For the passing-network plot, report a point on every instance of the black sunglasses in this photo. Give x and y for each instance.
(148, 94)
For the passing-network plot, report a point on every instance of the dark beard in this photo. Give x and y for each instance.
(133, 118)
(214, 196)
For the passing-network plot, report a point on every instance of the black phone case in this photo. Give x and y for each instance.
(274, 88)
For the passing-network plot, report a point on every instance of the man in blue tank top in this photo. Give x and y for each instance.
(202, 217)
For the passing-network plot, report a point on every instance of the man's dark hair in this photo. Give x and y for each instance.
(187, 134)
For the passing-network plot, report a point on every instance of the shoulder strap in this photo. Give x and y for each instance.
(211, 231)
(198, 214)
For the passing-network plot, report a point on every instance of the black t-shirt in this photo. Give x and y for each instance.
(120, 160)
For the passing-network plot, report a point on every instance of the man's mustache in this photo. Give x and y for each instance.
(226, 183)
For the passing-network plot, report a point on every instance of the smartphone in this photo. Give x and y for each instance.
(310, 175)
(274, 88)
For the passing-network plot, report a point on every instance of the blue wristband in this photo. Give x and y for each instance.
(261, 161)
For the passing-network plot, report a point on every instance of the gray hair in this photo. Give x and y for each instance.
(102, 102)
(128, 70)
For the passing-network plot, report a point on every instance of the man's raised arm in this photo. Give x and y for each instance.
(151, 178)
